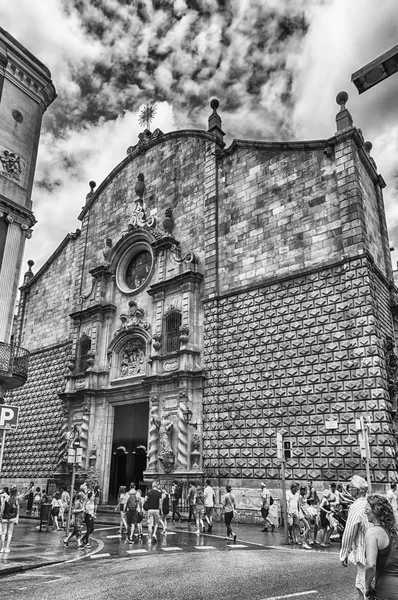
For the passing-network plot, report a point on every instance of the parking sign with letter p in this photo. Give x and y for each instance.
(8, 416)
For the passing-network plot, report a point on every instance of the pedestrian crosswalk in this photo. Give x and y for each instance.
(151, 548)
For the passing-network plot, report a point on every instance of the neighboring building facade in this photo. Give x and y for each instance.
(214, 297)
(26, 91)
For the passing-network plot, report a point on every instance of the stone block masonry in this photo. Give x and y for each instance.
(28, 453)
(288, 356)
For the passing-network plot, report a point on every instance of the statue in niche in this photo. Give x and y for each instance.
(132, 360)
(165, 451)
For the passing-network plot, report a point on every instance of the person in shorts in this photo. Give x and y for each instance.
(154, 500)
(9, 515)
(265, 497)
(293, 519)
(78, 519)
(210, 496)
(130, 510)
(191, 501)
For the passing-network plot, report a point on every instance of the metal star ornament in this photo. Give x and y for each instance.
(147, 114)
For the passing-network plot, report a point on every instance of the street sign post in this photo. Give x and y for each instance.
(362, 428)
(280, 453)
(8, 420)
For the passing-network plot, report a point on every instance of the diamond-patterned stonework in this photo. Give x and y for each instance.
(27, 454)
(290, 356)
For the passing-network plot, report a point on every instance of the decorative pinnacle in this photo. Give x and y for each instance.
(30, 264)
(341, 99)
(214, 104)
(368, 146)
(92, 185)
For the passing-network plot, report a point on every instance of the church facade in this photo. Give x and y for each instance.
(213, 298)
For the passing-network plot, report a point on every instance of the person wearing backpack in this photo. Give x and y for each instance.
(9, 515)
(130, 508)
(266, 502)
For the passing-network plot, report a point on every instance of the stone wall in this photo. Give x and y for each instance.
(31, 451)
(279, 213)
(286, 357)
(46, 318)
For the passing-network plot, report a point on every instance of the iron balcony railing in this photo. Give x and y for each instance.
(14, 364)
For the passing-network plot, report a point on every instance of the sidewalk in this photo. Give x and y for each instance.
(31, 548)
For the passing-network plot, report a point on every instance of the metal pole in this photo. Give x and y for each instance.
(72, 487)
(284, 504)
(367, 459)
(3, 439)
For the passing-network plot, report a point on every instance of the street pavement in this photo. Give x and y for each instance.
(31, 548)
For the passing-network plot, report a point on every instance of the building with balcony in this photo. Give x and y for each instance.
(26, 90)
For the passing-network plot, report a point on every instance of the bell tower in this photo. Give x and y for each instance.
(26, 90)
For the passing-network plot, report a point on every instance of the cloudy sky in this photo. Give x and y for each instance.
(275, 65)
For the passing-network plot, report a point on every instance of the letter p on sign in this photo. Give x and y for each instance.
(8, 417)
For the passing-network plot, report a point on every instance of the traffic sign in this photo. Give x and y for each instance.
(8, 416)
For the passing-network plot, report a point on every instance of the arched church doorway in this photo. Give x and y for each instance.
(128, 447)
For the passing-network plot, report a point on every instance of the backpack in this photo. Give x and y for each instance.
(10, 509)
(131, 503)
(271, 500)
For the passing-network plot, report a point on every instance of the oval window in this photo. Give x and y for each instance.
(138, 269)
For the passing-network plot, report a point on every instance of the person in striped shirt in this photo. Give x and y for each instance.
(353, 542)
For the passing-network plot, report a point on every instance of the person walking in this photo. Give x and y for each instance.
(36, 502)
(140, 514)
(381, 549)
(9, 515)
(65, 499)
(97, 497)
(121, 501)
(229, 509)
(265, 497)
(293, 520)
(353, 542)
(191, 502)
(154, 499)
(392, 497)
(199, 510)
(165, 501)
(305, 517)
(313, 509)
(89, 518)
(130, 508)
(56, 505)
(324, 517)
(210, 497)
(31, 493)
(175, 495)
(78, 519)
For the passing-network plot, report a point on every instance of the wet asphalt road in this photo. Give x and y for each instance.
(185, 566)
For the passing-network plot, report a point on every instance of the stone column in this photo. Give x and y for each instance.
(182, 446)
(153, 435)
(9, 276)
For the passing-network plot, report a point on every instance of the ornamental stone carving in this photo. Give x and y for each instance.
(132, 359)
(133, 319)
(152, 456)
(11, 165)
(165, 452)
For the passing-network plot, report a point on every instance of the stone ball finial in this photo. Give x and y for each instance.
(31, 263)
(341, 99)
(92, 185)
(368, 146)
(214, 104)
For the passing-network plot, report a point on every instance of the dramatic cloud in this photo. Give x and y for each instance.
(275, 65)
